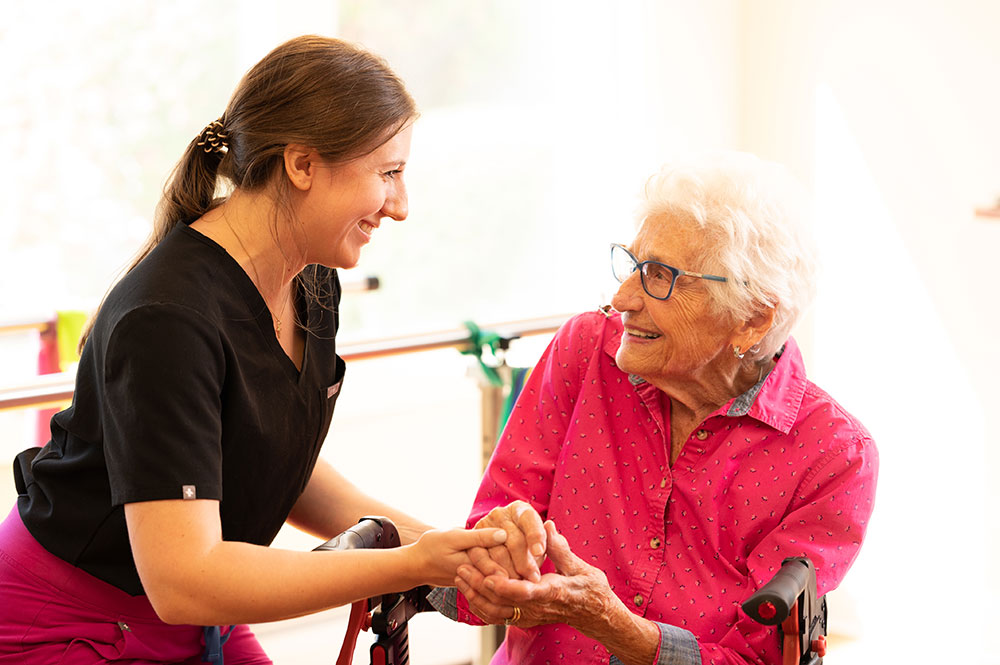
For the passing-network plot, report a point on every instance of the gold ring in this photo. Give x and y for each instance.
(513, 617)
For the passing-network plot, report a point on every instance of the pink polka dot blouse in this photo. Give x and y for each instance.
(780, 471)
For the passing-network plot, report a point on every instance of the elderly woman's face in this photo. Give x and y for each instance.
(673, 338)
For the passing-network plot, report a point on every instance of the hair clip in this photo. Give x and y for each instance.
(212, 137)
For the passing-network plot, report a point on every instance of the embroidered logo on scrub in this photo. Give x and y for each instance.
(189, 492)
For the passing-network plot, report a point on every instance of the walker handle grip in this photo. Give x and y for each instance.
(771, 604)
(369, 533)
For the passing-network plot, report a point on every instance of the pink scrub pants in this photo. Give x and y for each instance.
(53, 612)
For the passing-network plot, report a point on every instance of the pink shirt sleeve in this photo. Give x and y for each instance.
(525, 457)
(524, 460)
(827, 525)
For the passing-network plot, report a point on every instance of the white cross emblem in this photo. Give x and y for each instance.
(189, 492)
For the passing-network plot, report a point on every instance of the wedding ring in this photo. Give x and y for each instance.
(513, 617)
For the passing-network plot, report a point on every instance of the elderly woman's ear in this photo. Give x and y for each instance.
(750, 333)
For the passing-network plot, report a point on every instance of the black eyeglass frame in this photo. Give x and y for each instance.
(641, 267)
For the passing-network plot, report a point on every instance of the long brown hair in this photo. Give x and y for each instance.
(332, 96)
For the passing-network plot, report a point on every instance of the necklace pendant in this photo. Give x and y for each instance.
(277, 327)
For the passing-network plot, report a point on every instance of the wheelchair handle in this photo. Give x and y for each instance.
(386, 615)
(368, 533)
(371, 532)
(772, 603)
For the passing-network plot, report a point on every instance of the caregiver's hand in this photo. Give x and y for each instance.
(438, 553)
(524, 550)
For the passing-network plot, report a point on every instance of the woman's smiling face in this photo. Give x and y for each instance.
(347, 202)
(672, 338)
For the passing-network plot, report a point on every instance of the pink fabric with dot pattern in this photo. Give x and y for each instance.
(685, 545)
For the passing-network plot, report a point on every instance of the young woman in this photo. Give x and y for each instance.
(206, 387)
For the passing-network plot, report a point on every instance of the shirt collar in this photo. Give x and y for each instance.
(774, 400)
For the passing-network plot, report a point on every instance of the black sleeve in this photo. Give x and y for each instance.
(163, 373)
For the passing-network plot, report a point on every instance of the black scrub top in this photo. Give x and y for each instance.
(183, 392)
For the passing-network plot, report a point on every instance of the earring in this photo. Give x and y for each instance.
(736, 352)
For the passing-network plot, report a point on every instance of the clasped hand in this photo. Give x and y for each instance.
(508, 575)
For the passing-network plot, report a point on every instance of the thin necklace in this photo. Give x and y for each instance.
(276, 320)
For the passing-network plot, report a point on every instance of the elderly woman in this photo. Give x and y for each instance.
(675, 446)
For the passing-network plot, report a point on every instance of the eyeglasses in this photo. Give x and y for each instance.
(657, 278)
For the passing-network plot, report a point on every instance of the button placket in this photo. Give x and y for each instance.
(650, 558)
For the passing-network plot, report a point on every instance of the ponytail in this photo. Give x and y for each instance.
(188, 194)
(190, 190)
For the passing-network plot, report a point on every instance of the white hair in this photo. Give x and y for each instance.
(755, 233)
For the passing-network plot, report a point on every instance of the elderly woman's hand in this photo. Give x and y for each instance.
(578, 595)
(524, 549)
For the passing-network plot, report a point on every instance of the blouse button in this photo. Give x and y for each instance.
(701, 434)
(654, 543)
(638, 600)
(663, 483)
